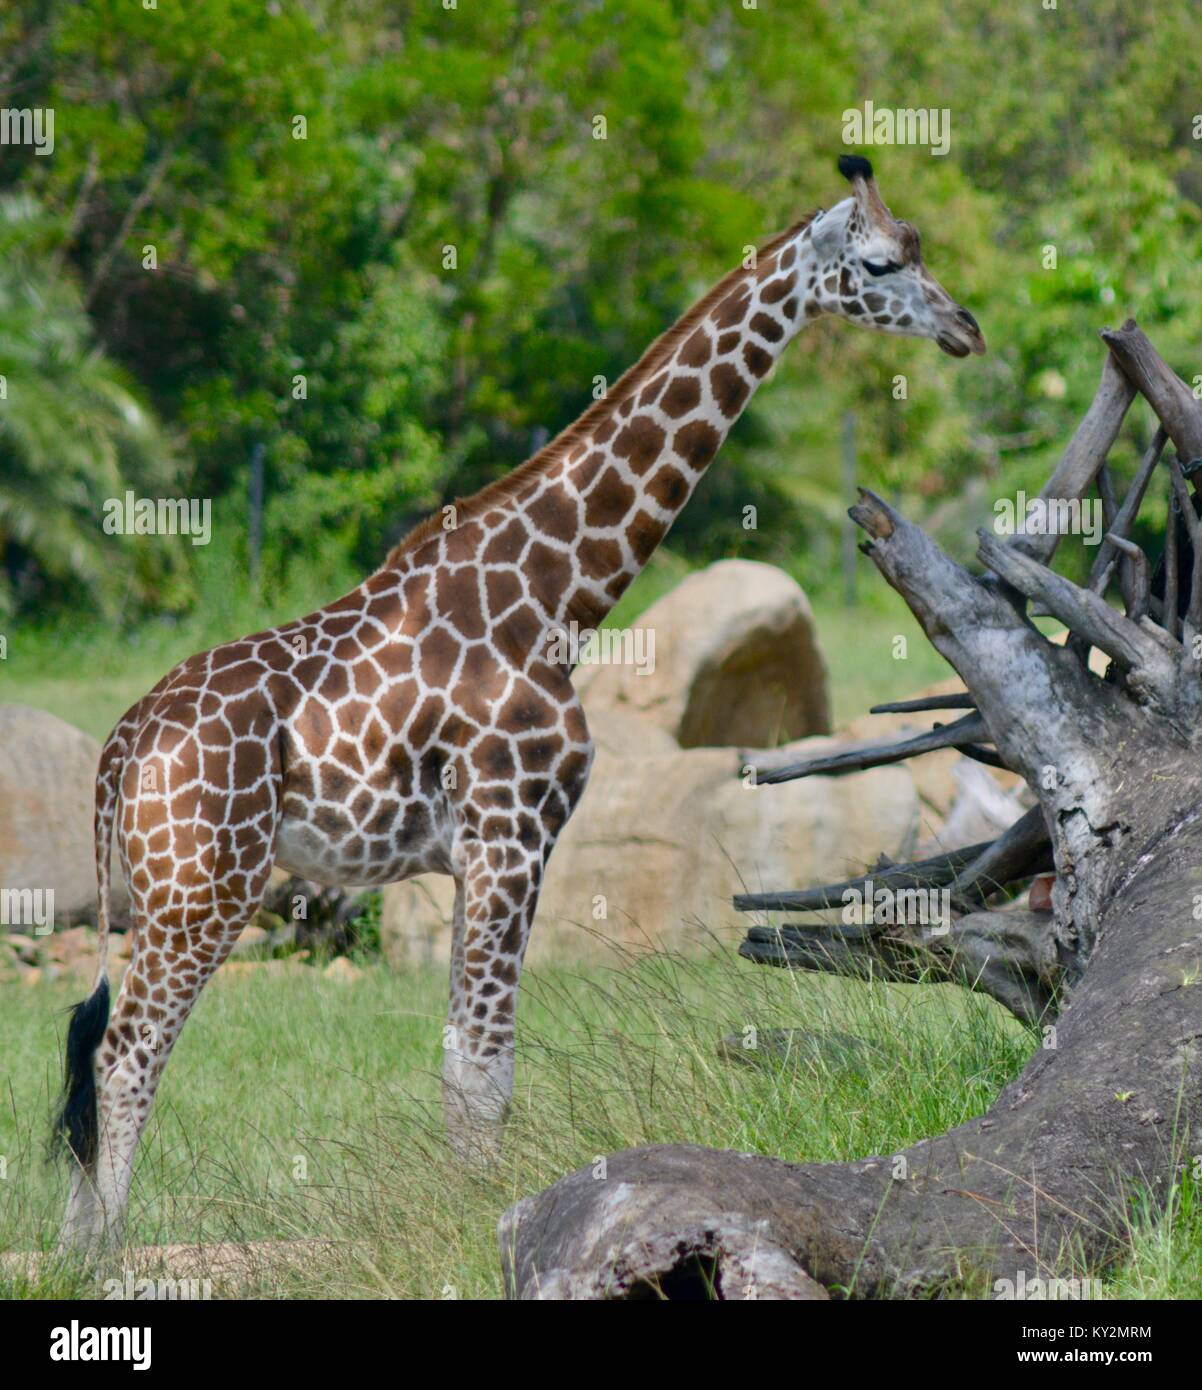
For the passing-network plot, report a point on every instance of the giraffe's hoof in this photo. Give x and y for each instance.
(474, 1132)
(476, 1145)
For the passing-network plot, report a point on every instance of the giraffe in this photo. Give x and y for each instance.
(419, 723)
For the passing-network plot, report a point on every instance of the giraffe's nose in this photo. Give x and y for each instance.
(966, 318)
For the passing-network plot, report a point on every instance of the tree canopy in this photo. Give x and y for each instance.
(394, 244)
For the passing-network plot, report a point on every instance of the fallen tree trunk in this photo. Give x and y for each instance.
(1037, 1185)
(1107, 1108)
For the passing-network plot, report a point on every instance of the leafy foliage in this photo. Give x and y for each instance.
(403, 303)
(72, 434)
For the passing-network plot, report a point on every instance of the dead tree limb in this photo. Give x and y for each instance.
(1104, 561)
(936, 872)
(1168, 395)
(926, 702)
(1011, 956)
(966, 731)
(1086, 452)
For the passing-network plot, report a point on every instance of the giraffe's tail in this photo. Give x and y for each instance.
(76, 1125)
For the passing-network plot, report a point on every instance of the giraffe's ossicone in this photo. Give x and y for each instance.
(422, 723)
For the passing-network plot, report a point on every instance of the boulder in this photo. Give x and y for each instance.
(735, 661)
(47, 791)
(342, 970)
(659, 845)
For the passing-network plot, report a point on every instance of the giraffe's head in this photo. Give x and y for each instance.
(870, 270)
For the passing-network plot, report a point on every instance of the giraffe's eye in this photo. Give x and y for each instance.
(881, 268)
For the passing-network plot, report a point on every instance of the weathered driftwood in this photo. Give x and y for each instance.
(1109, 1105)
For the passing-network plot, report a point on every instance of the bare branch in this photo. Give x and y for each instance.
(1022, 850)
(1083, 612)
(1137, 602)
(1165, 392)
(1193, 527)
(1169, 619)
(1104, 561)
(927, 702)
(1085, 454)
(970, 729)
(936, 872)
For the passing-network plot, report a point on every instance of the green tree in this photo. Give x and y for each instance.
(73, 432)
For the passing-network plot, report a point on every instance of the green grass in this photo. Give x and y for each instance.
(297, 1106)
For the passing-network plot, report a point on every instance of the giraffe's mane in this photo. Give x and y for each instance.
(512, 484)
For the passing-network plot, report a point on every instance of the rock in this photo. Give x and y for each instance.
(415, 921)
(982, 808)
(47, 790)
(341, 968)
(252, 939)
(622, 732)
(260, 969)
(67, 945)
(29, 974)
(736, 661)
(24, 946)
(661, 843)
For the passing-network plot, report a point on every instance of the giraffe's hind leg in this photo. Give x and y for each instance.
(161, 987)
(187, 916)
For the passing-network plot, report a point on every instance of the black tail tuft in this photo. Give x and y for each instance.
(75, 1125)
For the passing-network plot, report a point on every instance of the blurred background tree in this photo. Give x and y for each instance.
(382, 241)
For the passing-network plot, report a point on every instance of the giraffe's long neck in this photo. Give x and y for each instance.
(631, 462)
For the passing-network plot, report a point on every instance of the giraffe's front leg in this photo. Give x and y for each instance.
(495, 902)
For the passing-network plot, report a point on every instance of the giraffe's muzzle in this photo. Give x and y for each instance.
(961, 335)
